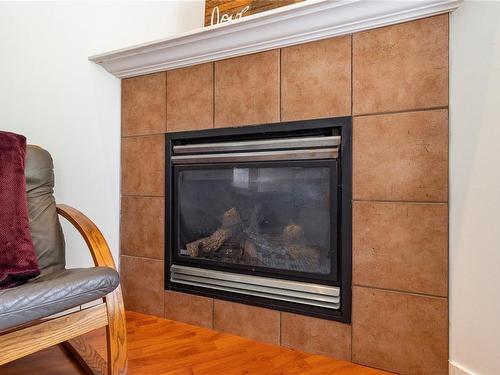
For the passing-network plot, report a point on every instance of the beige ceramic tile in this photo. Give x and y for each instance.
(142, 224)
(401, 246)
(144, 104)
(190, 98)
(143, 165)
(404, 333)
(401, 156)
(189, 308)
(244, 320)
(142, 283)
(316, 79)
(315, 335)
(247, 90)
(401, 67)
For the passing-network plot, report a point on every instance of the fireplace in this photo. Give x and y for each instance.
(262, 215)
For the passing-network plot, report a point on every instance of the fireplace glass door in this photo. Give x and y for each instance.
(268, 216)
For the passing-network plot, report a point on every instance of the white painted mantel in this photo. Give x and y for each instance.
(299, 23)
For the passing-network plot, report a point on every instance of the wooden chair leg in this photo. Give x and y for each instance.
(91, 361)
(116, 339)
(116, 334)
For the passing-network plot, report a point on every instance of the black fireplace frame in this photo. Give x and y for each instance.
(338, 125)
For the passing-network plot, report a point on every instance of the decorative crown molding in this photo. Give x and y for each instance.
(299, 23)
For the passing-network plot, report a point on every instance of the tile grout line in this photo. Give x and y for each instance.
(398, 201)
(143, 135)
(165, 172)
(352, 75)
(166, 103)
(141, 196)
(280, 75)
(213, 313)
(352, 110)
(408, 110)
(448, 263)
(163, 293)
(141, 257)
(419, 294)
(213, 95)
(280, 325)
(120, 184)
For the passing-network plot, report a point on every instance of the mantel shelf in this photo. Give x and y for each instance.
(299, 23)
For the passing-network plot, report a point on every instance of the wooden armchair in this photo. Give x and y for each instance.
(25, 336)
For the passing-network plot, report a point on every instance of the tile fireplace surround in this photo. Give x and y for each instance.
(393, 81)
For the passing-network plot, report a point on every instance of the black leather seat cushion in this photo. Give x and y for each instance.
(53, 293)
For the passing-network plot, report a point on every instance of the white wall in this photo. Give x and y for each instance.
(53, 95)
(475, 188)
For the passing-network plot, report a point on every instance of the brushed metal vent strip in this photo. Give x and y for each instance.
(265, 144)
(256, 288)
(319, 153)
(334, 306)
(332, 291)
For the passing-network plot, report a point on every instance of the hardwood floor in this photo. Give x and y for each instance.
(159, 346)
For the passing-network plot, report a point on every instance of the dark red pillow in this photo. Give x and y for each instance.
(18, 261)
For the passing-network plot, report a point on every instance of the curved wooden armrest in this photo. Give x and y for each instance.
(98, 246)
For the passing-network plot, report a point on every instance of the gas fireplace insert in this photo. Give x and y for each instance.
(262, 215)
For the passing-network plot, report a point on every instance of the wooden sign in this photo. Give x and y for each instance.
(219, 11)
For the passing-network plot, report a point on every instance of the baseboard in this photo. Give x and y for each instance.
(456, 369)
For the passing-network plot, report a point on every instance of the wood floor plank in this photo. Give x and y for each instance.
(165, 347)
